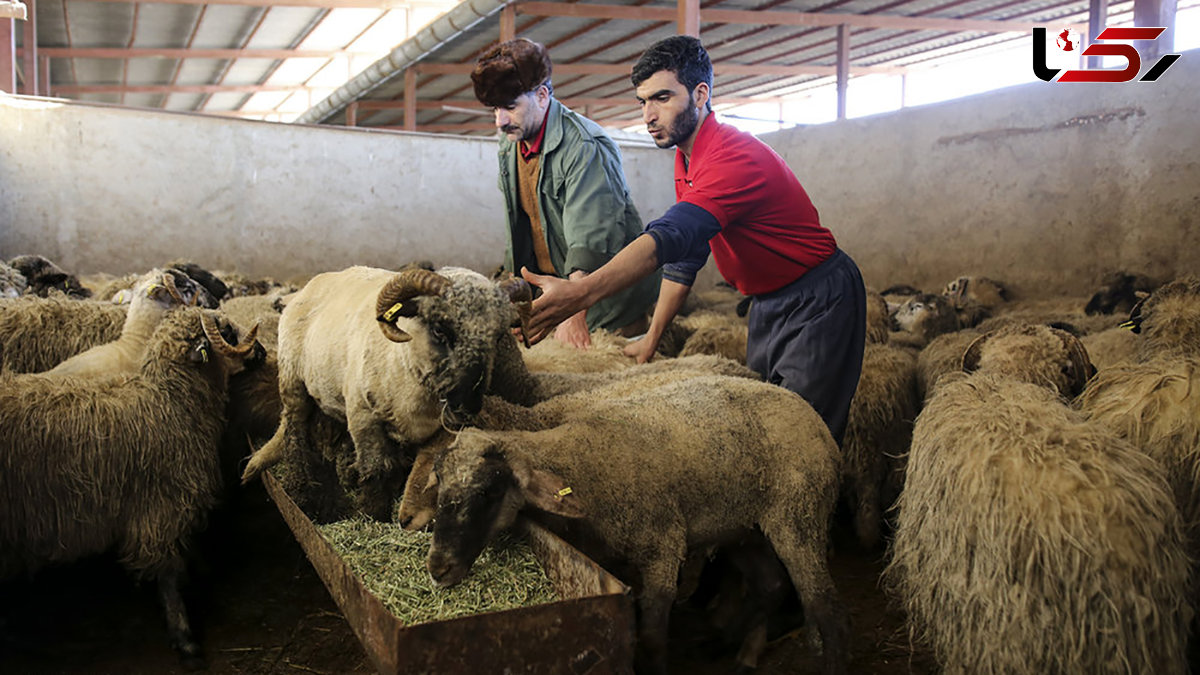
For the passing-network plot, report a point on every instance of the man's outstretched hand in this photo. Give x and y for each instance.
(560, 299)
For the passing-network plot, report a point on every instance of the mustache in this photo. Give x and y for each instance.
(508, 128)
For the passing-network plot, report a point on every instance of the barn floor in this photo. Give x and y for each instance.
(259, 607)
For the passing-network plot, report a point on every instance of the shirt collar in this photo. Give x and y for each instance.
(708, 128)
(528, 150)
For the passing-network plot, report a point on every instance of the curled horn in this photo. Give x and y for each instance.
(399, 289)
(1083, 368)
(169, 281)
(218, 341)
(521, 294)
(970, 359)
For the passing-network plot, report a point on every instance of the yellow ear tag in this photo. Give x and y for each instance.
(564, 492)
(151, 288)
(1128, 325)
(391, 313)
(204, 354)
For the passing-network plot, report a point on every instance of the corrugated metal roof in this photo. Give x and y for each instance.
(252, 76)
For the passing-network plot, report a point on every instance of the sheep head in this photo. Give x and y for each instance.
(926, 315)
(460, 316)
(1037, 354)
(1169, 319)
(481, 486)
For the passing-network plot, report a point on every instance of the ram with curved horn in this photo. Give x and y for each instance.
(397, 356)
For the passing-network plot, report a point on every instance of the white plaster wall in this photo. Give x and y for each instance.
(1045, 186)
(106, 189)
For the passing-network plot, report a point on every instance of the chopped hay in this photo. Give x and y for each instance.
(391, 562)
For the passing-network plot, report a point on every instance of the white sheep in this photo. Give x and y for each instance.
(395, 356)
(154, 295)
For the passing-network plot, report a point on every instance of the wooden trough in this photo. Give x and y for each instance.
(588, 632)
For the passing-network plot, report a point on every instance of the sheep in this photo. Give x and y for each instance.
(633, 480)
(562, 392)
(604, 355)
(126, 463)
(879, 320)
(975, 298)
(1111, 347)
(1152, 402)
(154, 295)
(714, 333)
(393, 355)
(922, 318)
(1028, 539)
(942, 355)
(1064, 311)
(40, 333)
(878, 431)
(1169, 320)
(1119, 291)
(43, 276)
(12, 282)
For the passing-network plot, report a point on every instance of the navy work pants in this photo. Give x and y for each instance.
(808, 337)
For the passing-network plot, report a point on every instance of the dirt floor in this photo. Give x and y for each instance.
(259, 607)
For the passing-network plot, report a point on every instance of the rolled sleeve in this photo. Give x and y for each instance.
(585, 259)
(682, 235)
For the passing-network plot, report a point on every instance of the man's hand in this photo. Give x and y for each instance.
(574, 331)
(642, 350)
(560, 299)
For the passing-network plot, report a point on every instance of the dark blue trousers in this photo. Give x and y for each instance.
(808, 337)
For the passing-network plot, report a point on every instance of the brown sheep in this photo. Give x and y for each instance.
(39, 333)
(1030, 540)
(127, 463)
(636, 478)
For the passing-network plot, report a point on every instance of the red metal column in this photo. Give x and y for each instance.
(508, 23)
(8, 56)
(29, 40)
(689, 18)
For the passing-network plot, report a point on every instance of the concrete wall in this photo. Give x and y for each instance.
(1044, 186)
(105, 189)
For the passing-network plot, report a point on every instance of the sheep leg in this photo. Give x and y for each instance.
(659, 579)
(178, 626)
(292, 435)
(867, 515)
(373, 464)
(804, 555)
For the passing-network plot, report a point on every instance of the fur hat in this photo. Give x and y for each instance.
(508, 70)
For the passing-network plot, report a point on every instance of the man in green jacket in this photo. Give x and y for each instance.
(567, 204)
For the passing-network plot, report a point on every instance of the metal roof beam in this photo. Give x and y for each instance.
(622, 69)
(148, 53)
(774, 18)
(171, 89)
(321, 4)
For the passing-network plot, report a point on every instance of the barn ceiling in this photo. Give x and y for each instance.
(351, 61)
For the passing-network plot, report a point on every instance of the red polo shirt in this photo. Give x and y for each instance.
(770, 232)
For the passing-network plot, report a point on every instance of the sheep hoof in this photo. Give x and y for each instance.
(263, 459)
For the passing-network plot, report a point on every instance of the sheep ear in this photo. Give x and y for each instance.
(548, 492)
(200, 351)
(970, 359)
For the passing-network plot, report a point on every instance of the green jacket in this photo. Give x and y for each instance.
(587, 214)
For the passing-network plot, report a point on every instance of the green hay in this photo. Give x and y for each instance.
(391, 563)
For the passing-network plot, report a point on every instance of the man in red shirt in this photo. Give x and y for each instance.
(738, 199)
